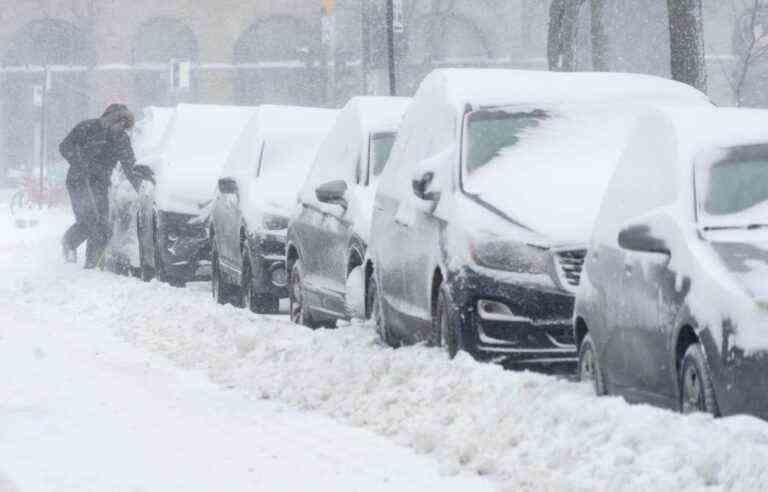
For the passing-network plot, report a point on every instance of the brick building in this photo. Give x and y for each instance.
(239, 51)
(277, 51)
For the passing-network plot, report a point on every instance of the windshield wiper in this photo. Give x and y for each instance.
(749, 227)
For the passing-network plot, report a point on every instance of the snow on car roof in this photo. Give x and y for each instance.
(700, 128)
(376, 114)
(490, 87)
(195, 147)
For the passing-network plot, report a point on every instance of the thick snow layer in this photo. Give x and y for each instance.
(493, 87)
(554, 178)
(84, 410)
(194, 149)
(525, 431)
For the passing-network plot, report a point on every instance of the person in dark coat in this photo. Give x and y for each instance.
(93, 149)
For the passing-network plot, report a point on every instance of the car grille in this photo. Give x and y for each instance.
(569, 265)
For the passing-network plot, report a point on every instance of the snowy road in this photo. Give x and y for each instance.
(82, 410)
(113, 384)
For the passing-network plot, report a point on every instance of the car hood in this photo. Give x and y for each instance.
(748, 261)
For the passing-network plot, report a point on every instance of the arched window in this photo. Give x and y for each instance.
(157, 42)
(67, 51)
(275, 60)
(442, 39)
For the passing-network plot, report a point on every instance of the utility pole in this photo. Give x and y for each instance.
(365, 32)
(391, 47)
(41, 100)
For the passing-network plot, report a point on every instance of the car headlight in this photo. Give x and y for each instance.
(275, 222)
(510, 257)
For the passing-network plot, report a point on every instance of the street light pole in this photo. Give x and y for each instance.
(391, 47)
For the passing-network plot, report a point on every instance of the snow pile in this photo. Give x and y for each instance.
(527, 431)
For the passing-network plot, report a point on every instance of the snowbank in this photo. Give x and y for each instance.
(526, 431)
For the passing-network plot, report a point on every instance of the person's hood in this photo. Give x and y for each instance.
(115, 113)
(748, 261)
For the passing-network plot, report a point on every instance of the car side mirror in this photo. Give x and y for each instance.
(640, 238)
(421, 187)
(333, 192)
(227, 186)
(144, 172)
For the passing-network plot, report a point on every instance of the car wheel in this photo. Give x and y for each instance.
(697, 394)
(589, 368)
(298, 309)
(255, 302)
(444, 332)
(375, 310)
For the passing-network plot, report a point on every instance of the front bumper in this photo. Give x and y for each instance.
(741, 385)
(537, 328)
(185, 248)
(268, 264)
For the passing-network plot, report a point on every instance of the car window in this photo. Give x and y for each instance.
(735, 181)
(488, 133)
(381, 147)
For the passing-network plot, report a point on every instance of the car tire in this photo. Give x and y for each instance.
(297, 310)
(444, 333)
(697, 393)
(255, 302)
(376, 312)
(588, 368)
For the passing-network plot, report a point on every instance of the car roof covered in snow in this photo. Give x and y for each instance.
(194, 148)
(698, 129)
(282, 141)
(492, 87)
(376, 114)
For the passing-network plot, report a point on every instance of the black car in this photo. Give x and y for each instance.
(482, 215)
(328, 234)
(172, 211)
(256, 195)
(673, 308)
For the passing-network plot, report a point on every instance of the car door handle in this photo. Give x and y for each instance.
(628, 269)
(401, 222)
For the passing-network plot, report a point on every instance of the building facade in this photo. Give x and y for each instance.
(65, 60)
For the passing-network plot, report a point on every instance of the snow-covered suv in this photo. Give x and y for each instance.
(482, 215)
(329, 231)
(673, 307)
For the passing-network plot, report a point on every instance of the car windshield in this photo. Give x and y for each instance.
(735, 186)
(381, 146)
(490, 132)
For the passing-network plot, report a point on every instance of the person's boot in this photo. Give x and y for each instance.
(69, 254)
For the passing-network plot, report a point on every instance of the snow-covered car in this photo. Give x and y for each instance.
(257, 191)
(122, 254)
(673, 306)
(329, 231)
(482, 216)
(172, 215)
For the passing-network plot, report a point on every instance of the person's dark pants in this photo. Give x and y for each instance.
(90, 204)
